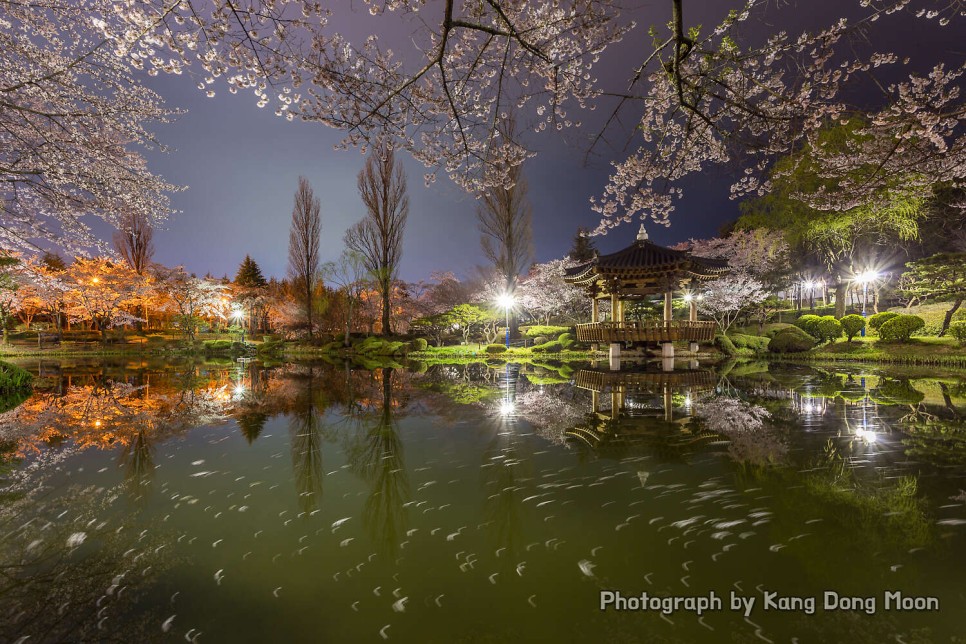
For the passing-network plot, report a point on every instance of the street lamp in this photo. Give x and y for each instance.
(238, 315)
(506, 301)
(865, 278)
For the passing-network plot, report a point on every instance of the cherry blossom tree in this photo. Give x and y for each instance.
(544, 293)
(101, 291)
(194, 298)
(719, 96)
(733, 93)
(759, 252)
(72, 120)
(725, 298)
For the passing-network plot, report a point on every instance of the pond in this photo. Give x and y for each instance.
(476, 503)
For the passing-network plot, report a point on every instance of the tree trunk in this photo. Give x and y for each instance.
(386, 310)
(949, 316)
(840, 295)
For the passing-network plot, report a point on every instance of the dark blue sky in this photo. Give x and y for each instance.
(241, 165)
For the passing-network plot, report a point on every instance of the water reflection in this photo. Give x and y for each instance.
(376, 455)
(642, 411)
(520, 488)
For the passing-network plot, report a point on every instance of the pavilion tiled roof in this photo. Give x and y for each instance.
(645, 257)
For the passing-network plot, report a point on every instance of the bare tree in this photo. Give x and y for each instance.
(303, 246)
(506, 224)
(378, 236)
(135, 241)
(348, 275)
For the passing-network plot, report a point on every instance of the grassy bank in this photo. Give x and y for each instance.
(916, 351)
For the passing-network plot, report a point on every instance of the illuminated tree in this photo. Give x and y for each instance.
(378, 237)
(348, 275)
(101, 290)
(135, 241)
(73, 118)
(303, 247)
(940, 278)
(506, 221)
(194, 298)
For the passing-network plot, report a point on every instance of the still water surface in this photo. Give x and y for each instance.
(318, 502)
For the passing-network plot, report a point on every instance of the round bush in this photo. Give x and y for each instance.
(900, 328)
(420, 344)
(565, 337)
(789, 341)
(852, 325)
(495, 348)
(958, 331)
(827, 328)
(540, 339)
(807, 323)
(877, 320)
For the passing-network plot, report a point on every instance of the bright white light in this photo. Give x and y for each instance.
(809, 285)
(239, 390)
(866, 435)
(507, 408)
(237, 314)
(505, 300)
(688, 297)
(866, 276)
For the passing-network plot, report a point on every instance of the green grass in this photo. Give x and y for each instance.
(917, 351)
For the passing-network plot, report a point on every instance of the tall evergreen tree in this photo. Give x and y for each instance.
(250, 275)
(583, 249)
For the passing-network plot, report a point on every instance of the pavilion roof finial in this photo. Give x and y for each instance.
(642, 234)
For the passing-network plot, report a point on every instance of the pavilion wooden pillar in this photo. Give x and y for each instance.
(614, 304)
(595, 309)
(667, 304)
(693, 313)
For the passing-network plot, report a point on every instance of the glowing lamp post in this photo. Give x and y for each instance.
(238, 316)
(865, 278)
(506, 301)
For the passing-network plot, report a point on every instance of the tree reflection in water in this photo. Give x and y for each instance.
(306, 430)
(376, 456)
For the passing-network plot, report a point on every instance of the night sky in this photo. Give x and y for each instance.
(241, 165)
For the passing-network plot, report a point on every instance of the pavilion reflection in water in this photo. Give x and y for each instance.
(642, 410)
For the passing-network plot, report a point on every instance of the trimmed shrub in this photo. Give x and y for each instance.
(807, 324)
(546, 330)
(827, 328)
(778, 327)
(566, 337)
(540, 339)
(548, 347)
(216, 346)
(420, 344)
(791, 340)
(494, 349)
(900, 328)
(725, 344)
(877, 320)
(753, 342)
(958, 331)
(852, 325)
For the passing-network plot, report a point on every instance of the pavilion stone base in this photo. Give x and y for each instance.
(693, 347)
(615, 350)
(667, 350)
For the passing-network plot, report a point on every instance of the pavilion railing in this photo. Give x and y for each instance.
(672, 331)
